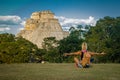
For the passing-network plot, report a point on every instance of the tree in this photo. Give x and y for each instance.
(87, 27)
(51, 52)
(79, 27)
(72, 29)
(80, 31)
(16, 49)
(69, 44)
(105, 37)
(49, 42)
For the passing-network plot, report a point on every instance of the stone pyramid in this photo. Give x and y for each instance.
(41, 25)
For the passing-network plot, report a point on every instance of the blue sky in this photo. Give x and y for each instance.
(14, 12)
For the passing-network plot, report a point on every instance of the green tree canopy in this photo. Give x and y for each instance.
(105, 36)
(16, 49)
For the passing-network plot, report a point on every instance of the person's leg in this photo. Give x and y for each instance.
(91, 60)
(76, 65)
(87, 66)
(77, 62)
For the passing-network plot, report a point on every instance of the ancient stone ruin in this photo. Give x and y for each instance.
(41, 25)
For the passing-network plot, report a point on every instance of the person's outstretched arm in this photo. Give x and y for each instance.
(94, 53)
(74, 53)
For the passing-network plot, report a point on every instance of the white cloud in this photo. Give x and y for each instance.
(23, 23)
(5, 29)
(68, 22)
(11, 23)
(14, 23)
(21, 28)
(10, 20)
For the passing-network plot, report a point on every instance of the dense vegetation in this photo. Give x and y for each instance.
(104, 36)
(16, 49)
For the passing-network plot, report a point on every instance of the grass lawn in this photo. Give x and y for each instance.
(64, 71)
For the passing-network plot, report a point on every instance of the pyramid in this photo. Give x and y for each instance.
(42, 25)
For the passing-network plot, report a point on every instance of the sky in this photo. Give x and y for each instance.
(13, 13)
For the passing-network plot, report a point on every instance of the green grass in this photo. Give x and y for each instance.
(65, 71)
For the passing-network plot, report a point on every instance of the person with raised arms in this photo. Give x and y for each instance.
(85, 55)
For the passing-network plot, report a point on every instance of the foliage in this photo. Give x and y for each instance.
(54, 49)
(51, 53)
(105, 36)
(49, 43)
(16, 49)
(69, 44)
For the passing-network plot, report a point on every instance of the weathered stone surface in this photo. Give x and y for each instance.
(41, 25)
